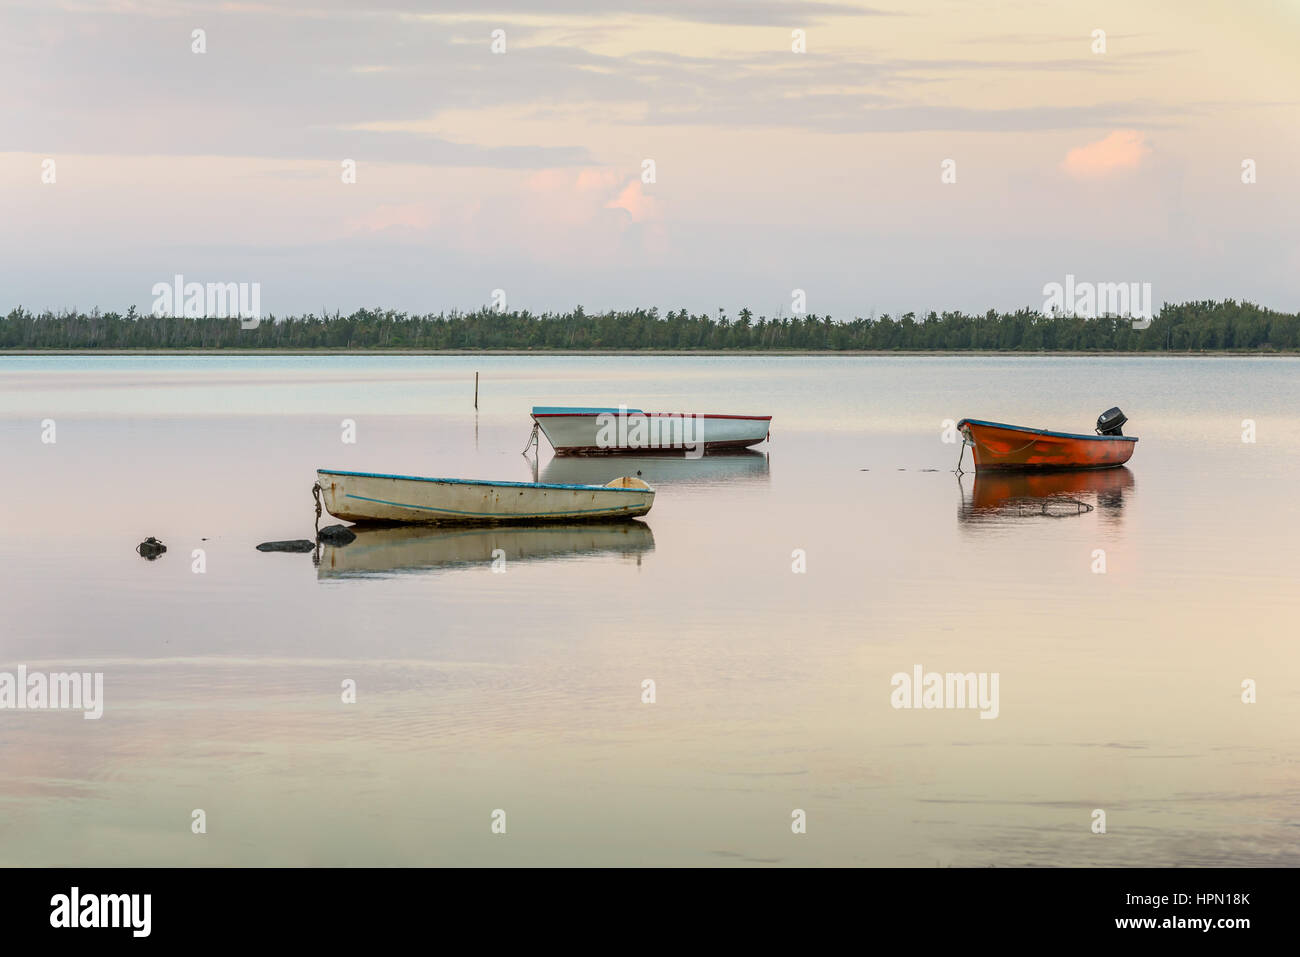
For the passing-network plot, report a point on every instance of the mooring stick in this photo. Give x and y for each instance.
(475, 391)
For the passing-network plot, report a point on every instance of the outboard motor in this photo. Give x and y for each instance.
(1111, 422)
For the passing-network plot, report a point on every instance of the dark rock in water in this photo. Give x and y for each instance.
(336, 535)
(295, 545)
(150, 548)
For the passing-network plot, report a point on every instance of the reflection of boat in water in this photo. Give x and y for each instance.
(999, 495)
(413, 548)
(721, 467)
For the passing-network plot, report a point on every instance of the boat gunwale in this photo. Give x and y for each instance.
(450, 481)
(587, 412)
(593, 514)
(1059, 435)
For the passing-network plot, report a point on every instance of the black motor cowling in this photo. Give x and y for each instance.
(1111, 422)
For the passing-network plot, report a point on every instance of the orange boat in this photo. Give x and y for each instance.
(997, 446)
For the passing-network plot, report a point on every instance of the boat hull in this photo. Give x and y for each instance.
(624, 431)
(1000, 447)
(368, 497)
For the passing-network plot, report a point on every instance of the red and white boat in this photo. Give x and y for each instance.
(997, 446)
(591, 431)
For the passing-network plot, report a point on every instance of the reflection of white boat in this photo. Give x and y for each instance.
(588, 431)
(371, 497)
(407, 548)
(658, 470)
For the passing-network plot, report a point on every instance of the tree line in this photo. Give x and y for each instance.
(1192, 326)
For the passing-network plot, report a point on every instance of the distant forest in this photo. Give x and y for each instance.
(1194, 326)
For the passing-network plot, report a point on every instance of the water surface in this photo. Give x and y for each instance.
(522, 690)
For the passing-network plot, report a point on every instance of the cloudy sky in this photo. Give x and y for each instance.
(774, 170)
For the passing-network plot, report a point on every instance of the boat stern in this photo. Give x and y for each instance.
(636, 485)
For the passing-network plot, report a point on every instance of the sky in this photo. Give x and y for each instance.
(888, 157)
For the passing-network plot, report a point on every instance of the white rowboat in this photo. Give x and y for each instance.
(406, 499)
(591, 431)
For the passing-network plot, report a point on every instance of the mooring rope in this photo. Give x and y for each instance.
(1016, 452)
(315, 494)
(532, 440)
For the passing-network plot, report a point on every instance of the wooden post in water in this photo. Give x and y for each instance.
(475, 391)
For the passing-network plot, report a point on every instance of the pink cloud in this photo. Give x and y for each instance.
(413, 216)
(1121, 150)
(556, 181)
(634, 200)
(562, 197)
(413, 219)
(555, 215)
(597, 179)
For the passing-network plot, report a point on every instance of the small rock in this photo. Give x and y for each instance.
(336, 535)
(150, 548)
(294, 545)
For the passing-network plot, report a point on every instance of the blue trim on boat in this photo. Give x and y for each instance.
(580, 410)
(451, 511)
(1059, 435)
(448, 481)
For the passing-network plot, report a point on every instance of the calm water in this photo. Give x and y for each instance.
(522, 691)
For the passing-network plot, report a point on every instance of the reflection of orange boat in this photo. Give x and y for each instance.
(1002, 497)
(997, 490)
(1014, 448)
